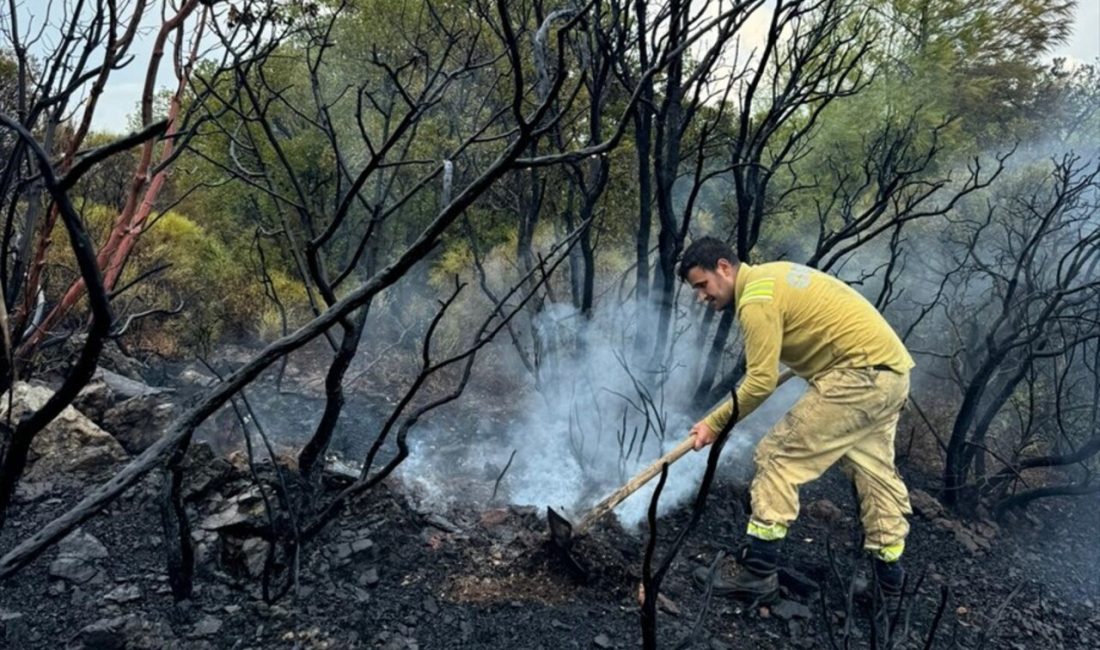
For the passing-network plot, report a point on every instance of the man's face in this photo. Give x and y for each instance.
(715, 288)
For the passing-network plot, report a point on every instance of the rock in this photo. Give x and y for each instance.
(206, 545)
(369, 578)
(342, 551)
(126, 388)
(73, 570)
(360, 545)
(974, 544)
(123, 594)
(204, 471)
(925, 504)
(107, 388)
(715, 644)
(83, 545)
(825, 511)
(198, 378)
(789, 609)
(81, 598)
(113, 358)
(244, 508)
(794, 628)
(969, 542)
(26, 492)
(986, 528)
(254, 550)
(340, 470)
(140, 421)
(602, 641)
(76, 558)
(69, 445)
(104, 634)
(442, 523)
(207, 626)
(94, 399)
(666, 604)
(130, 632)
(12, 629)
(430, 606)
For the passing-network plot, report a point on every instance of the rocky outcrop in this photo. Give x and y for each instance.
(130, 631)
(78, 559)
(976, 536)
(925, 505)
(133, 412)
(107, 388)
(70, 445)
(139, 421)
(12, 629)
(227, 536)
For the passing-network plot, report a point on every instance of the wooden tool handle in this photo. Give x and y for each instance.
(640, 479)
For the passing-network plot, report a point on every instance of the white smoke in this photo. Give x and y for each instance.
(597, 419)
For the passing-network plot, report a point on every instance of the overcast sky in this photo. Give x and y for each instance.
(121, 95)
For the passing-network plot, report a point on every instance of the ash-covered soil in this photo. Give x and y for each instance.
(384, 575)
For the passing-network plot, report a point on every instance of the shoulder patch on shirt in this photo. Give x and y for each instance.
(762, 290)
(798, 277)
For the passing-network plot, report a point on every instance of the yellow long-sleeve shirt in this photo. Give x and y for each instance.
(809, 321)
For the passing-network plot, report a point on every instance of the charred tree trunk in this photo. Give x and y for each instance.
(531, 192)
(670, 131)
(643, 138)
(19, 440)
(179, 552)
(311, 458)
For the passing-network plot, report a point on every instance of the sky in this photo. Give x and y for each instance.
(1084, 44)
(122, 93)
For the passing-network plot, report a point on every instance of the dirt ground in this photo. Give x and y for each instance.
(387, 576)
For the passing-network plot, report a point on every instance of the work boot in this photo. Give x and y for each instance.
(890, 577)
(753, 576)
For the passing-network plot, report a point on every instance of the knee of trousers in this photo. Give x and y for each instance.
(887, 539)
(882, 526)
(774, 497)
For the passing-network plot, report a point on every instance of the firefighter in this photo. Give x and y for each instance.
(857, 369)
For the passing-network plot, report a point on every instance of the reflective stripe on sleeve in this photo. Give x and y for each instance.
(758, 290)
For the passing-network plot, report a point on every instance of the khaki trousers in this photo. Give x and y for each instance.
(851, 415)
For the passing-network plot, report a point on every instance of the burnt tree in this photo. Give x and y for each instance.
(1025, 291)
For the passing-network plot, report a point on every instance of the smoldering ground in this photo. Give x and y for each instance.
(599, 414)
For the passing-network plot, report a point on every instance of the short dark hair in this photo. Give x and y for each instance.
(705, 253)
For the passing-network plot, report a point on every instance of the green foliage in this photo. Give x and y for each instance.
(976, 61)
(979, 60)
(217, 286)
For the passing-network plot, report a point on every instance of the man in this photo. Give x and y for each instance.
(858, 374)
